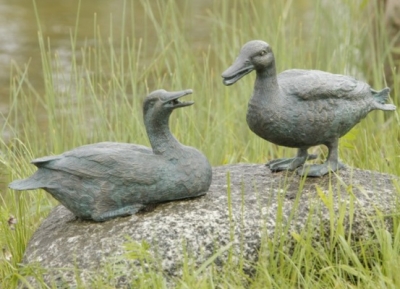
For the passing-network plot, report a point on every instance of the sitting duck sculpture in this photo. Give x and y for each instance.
(107, 180)
(302, 108)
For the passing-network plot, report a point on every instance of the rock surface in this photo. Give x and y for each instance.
(242, 204)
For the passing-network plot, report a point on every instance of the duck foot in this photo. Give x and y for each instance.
(320, 170)
(121, 212)
(288, 164)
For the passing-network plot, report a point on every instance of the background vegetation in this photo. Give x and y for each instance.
(99, 98)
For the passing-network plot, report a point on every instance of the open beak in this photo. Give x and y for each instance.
(172, 98)
(236, 71)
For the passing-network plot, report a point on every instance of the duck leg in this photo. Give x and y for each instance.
(120, 212)
(331, 164)
(290, 164)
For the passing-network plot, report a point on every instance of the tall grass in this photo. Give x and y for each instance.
(98, 96)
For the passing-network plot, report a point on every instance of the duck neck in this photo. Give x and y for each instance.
(161, 139)
(266, 86)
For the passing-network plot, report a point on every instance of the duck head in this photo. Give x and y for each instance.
(160, 103)
(254, 55)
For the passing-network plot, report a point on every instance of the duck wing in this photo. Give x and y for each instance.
(107, 161)
(87, 150)
(316, 84)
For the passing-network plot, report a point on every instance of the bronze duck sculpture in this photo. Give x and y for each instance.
(107, 180)
(302, 108)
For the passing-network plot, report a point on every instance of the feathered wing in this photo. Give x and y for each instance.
(94, 149)
(111, 163)
(315, 84)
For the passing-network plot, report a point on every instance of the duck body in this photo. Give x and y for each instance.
(305, 110)
(302, 108)
(106, 180)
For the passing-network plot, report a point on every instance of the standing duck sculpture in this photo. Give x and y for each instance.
(107, 180)
(302, 108)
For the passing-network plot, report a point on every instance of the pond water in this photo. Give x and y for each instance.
(19, 45)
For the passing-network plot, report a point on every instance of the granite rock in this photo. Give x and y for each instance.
(241, 206)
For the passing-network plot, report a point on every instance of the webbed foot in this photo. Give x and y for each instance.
(289, 164)
(121, 212)
(320, 170)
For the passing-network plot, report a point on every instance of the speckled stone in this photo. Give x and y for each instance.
(205, 224)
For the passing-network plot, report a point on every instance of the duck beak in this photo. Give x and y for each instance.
(171, 98)
(239, 68)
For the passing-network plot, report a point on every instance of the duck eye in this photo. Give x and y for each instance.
(263, 53)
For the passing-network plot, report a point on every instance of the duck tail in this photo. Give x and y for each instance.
(381, 98)
(22, 185)
(31, 183)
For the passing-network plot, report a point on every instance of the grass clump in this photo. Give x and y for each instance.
(98, 96)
